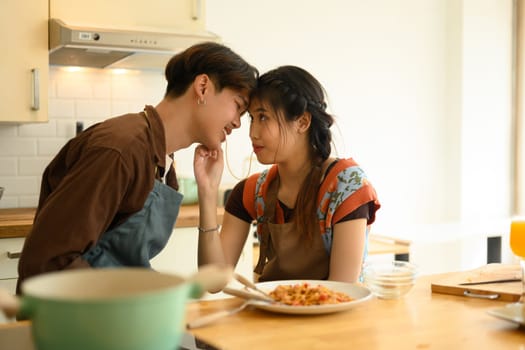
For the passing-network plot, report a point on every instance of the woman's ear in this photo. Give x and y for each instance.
(303, 122)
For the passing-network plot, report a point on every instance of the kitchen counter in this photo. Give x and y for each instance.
(377, 244)
(17, 222)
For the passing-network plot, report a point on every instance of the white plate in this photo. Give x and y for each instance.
(510, 312)
(357, 292)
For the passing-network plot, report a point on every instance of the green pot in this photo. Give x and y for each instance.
(188, 187)
(112, 309)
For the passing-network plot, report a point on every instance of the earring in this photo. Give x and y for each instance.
(201, 101)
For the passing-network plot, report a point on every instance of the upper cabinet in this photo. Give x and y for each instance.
(25, 61)
(24, 31)
(184, 15)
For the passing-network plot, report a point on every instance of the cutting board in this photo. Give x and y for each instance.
(510, 291)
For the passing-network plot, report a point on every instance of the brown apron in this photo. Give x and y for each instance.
(286, 254)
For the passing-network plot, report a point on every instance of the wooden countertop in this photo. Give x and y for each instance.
(17, 222)
(377, 244)
(420, 320)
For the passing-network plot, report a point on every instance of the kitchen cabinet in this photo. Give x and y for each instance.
(184, 15)
(25, 61)
(9, 247)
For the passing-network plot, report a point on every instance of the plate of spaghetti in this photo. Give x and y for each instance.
(312, 296)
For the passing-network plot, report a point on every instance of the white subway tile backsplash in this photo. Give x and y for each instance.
(87, 95)
(50, 147)
(33, 166)
(102, 88)
(88, 122)
(16, 146)
(120, 108)
(8, 166)
(8, 131)
(38, 130)
(9, 201)
(132, 87)
(137, 106)
(52, 87)
(123, 90)
(28, 201)
(20, 185)
(154, 86)
(66, 128)
(61, 108)
(93, 109)
(153, 77)
(73, 89)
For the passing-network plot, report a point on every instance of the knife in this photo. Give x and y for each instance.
(490, 282)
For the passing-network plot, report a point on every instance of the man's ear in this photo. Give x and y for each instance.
(303, 122)
(201, 85)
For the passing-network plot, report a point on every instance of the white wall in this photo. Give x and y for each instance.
(486, 111)
(384, 70)
(420, 89)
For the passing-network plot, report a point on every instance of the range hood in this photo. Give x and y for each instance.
(117, 48)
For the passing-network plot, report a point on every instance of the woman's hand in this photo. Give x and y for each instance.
(207, 167)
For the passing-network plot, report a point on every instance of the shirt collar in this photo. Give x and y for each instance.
(158, 136)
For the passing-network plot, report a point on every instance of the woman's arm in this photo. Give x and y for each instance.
(215, 247)
(347, 250)
(224, 247)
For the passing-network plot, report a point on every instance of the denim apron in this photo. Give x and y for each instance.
(142, 236)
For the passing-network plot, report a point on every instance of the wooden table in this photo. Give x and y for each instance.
(420, 320)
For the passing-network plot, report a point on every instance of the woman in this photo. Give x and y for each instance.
(312, 210)
(103, 200)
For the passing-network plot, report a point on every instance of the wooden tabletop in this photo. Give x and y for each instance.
(420, 320)
(17, 222)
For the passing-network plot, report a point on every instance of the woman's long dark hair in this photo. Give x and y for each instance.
(291, 91)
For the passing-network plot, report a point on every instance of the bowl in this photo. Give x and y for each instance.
(110, 309)
(389, 280)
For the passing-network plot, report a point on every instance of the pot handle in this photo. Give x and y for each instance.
(9, 303)
(211, 278)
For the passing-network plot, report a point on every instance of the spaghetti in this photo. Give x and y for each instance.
(304, 295)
